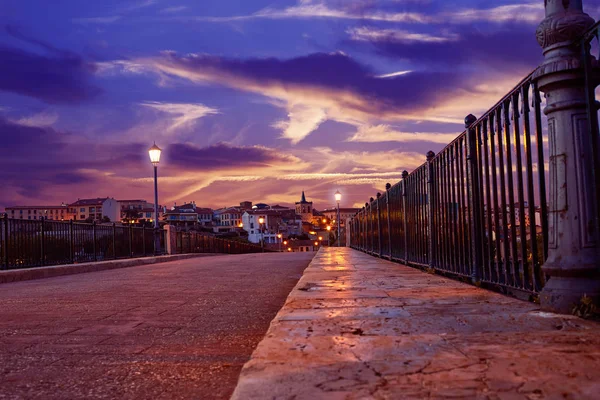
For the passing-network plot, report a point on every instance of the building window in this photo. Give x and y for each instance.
(82, 210)
(82, 217)
(92, 209)
(251, 225)
(29, 217)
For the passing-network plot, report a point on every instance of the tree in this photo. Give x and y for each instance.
(105, 219)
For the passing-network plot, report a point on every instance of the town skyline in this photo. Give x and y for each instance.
(345, 96)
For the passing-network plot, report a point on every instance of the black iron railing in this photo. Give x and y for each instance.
(25, 243)
(194, 242)
(478, 208)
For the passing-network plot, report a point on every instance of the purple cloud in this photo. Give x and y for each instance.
(468, 46)
(54, 77)
(224, 156)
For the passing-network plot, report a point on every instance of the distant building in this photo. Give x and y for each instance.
(137, 211)
(285, 222)
(189, 215)
(304, 209)
(345, 213)
(55, 213)
(95, 209)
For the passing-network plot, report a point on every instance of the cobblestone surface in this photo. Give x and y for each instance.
(177, 330)
(357, 327)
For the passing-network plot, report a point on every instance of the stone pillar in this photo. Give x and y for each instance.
(171, 239)
(573, 263)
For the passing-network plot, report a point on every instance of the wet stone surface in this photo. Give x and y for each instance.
(177, 330)
(357, 327)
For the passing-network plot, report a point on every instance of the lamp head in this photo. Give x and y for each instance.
(154, 153)
(338, 196)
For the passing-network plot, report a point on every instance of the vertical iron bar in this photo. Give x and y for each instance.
(488, 203)
(524, 270)
(537, 102)
(42, 242)
(474, 198)
(5, 242)
(535, 284)
(94, 239)
(430, 205)
(379, 234)
(114, 240)
(511, 196)
(506, 248)
(404, 204)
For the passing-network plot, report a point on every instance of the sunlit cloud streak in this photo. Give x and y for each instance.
(385, 133)
(183, 114)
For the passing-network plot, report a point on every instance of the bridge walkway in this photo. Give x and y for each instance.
(359, 327)
(175, 330)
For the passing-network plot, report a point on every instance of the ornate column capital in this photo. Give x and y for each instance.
(565, 21)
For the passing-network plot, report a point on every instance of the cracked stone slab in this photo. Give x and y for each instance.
(373, 329)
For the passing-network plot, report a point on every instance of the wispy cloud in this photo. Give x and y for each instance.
(97, 20)
(40, 120)
(183, 113)
(528, 13)
(174, 9)
(368, 34)
(303, 120)
(385, 133)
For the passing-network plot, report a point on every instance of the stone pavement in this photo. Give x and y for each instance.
(177, 330)
(358, 327)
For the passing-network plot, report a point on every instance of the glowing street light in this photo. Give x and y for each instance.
(154, 153)
(338, 198)
(261, 221)
(279, 236)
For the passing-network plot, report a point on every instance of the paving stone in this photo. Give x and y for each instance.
(177, 330)
(380, 330)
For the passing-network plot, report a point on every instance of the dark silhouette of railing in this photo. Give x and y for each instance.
(36, 243)
(26, 243)
(194, 242)
(478, 209)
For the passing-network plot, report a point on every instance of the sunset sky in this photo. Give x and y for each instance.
(250, 99)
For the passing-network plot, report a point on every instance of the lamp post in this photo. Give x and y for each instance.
(155, 159)
(338, 198)
(261, 221)
(328, 236)
(279, 235)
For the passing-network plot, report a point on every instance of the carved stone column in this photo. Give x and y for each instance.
(573, 263)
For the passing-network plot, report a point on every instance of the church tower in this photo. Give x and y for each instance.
(304, 208)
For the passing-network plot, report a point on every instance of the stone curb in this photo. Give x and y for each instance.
(27, 274)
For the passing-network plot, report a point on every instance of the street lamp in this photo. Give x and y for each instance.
(279, 235)
(328, 235)
(338, 198)
(261, 221)
(154, 153)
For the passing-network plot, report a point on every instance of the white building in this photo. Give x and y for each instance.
(95, 209)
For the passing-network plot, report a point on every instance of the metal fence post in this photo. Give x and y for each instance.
(114, 240)
(379, 223)
(5, 241)
(474, 198)
(71, 242)
(430, 205)
(388, 186)
(144, 239)
(94, 239)
(42, 244)
(130, 242)
(404, 201)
